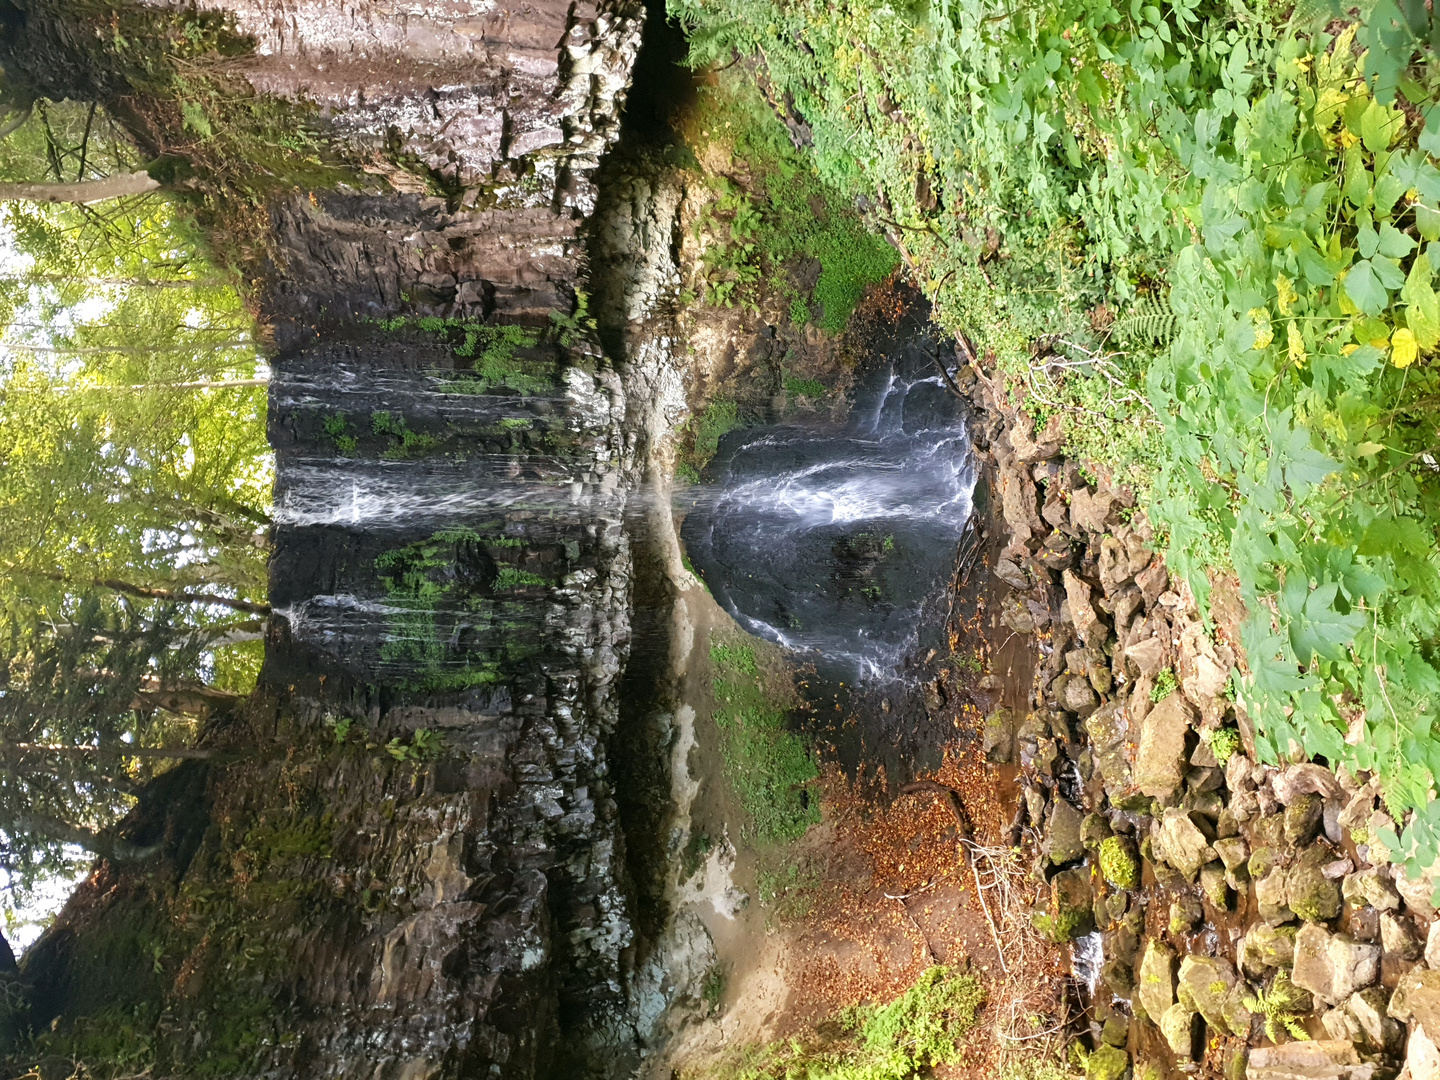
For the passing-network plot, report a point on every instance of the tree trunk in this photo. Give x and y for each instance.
(86, 191)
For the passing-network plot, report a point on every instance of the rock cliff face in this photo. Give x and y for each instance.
(408, 859)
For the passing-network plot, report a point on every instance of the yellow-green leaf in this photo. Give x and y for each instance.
(1403, 348)
(1422, 315)
(1379, 124)
(1366, 449)
(1427, 221)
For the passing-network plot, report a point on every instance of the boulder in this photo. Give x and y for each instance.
(1119, 977)
(1090, 510)
(1120, 862)
(1178, 841)
(1303, 817)
(1082, 613)
(1308, 892)
(1107, 1063)
(999, 736)
(1206, 985)
(1422, 1057)
(1417, 998)
(1379, 1030)
(1233, 851)
(1371, 887)
(1011, 575)
(1178, 1026)
(1148, 655)
(1306, 778)
(1094, 829)
(1071, 911)
(1109, 731)
(1333, 966)
(1358, 809)
(1185, 913)
(1399, 939)
(1339, 1024)
(1214, 886)
(1160, 760)
(1116, 1031)
(1432, 945)
(1152, 581)
(1078, 696)
(1417, 893)
(1270, 896)
(1265, 947)
(1062, 837)
(1156, 990)
(1323, 1059)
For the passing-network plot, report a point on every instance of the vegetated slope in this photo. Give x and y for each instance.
(1199, 242)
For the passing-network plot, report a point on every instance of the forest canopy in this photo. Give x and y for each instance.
(135, 485)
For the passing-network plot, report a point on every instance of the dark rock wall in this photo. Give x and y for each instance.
(346, 894)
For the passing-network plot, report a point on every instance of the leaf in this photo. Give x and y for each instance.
(1365, 290)
(1379, 125)
(1388, 272)
(1394, 243)
(195, 119)
(1403, 348)
(1386, 535)
(1430, 137)
(1427, 221)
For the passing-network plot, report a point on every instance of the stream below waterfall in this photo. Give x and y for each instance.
(837, 540)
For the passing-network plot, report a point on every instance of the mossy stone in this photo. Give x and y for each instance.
(1107, 1063)
(1119, 862)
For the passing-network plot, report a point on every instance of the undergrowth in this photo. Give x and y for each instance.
(919, 1030)
(771, 213)
(1206, 238)
(770, 767)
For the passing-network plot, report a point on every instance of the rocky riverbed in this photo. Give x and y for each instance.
(1246, 920)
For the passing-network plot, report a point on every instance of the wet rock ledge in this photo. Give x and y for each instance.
(1248, 924)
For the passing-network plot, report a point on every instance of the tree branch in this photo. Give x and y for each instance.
(107, 847)
(87, 191)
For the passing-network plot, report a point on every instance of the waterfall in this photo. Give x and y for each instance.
(834, 539)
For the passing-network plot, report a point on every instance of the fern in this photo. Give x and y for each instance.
(1150, 322)
(1280, 1007)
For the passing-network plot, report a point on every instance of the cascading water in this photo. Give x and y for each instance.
(430, 526)
(836, 540)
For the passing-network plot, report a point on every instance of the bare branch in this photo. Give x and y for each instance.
(87, 191)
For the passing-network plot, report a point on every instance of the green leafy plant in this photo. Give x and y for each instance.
(771, 768)
(1256, 167)
(424, 745)
(404, 442)
(1165, 684)
(337, 429)
(813, 388)
(1282, 1006)
(917, 1032)
(1224, 743)
(785, 213)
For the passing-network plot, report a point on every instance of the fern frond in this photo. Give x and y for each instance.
(1150, 322)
